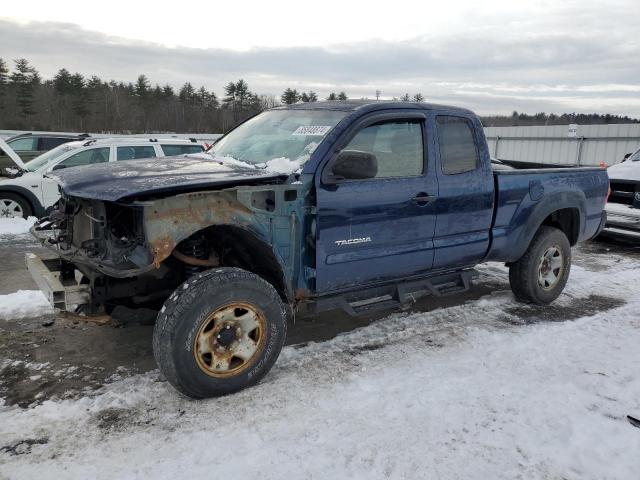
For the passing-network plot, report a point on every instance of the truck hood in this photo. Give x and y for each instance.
(12, 155)
(115, 181)
(629, 171)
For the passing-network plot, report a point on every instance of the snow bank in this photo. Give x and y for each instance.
(24, 303)
(16, 226)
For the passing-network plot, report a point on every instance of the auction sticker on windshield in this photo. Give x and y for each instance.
(311, 130)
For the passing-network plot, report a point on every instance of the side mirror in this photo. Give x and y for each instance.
(626, 155)
(353, 165)
(59, 166)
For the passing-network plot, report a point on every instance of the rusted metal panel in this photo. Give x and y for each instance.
(263, 211)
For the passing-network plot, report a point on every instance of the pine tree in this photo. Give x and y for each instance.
(4, 76)
(4, 72)
(309, 97)
(418, 97)
(207, 100)
(94, 83)
(23, 79)
(230, 95)
(290, 96)
(332, 96)
(405, 98)
(213, 100)
(79, 97)
(187, 94)
(243, 95)
(141, 87)
(167, 91)
(239, 97)
(342, 96)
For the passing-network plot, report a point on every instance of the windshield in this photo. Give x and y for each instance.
(46, 157)
(278, 140)
(635, 157)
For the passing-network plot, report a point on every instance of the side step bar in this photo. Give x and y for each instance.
(396, 295)
(62, 293)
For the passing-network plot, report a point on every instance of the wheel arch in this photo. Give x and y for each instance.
(562, 210)
(567, 220)
(246, 249)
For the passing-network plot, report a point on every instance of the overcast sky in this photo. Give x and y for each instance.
(493, 56)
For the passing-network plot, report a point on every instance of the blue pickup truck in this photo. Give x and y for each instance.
(358, 206)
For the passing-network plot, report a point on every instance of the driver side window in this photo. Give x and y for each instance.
(86, 157)
(397, 146)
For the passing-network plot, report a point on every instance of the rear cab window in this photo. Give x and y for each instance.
(135, 152)
(458, 149)
(172, 150)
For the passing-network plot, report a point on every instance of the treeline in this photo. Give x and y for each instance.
(523, 119)
(74, 102)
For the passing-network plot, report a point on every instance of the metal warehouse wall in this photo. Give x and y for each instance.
(564, 144)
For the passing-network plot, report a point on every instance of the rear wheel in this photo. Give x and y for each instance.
(14, 206)
(219, 332)
(542, 272)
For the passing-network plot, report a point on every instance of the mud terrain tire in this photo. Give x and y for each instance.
(219, 332)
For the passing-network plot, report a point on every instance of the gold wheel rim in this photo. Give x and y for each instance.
(230, 339)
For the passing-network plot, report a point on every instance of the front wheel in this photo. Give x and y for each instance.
(219, 332)
(542, 273)
(14, 206)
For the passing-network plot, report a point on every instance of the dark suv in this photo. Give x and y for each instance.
(30, 145)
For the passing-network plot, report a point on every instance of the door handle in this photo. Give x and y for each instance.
(423, 199)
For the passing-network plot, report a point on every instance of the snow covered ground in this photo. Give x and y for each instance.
(15, 226)
(23, 303)
(488, 389)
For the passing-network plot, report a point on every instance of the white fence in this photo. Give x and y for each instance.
(564, 144)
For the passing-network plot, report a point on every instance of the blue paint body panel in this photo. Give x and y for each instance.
(526, 198)
(477, 216)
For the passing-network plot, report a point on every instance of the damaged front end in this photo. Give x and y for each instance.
(98, 254)
(102, 236)
(137, 252)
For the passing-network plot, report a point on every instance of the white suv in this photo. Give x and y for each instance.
(30, 192)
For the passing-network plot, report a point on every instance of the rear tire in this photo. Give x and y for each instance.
(541, 274)
(14, 206)
(219, 332)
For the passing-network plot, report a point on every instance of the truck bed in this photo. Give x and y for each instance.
(525, 198)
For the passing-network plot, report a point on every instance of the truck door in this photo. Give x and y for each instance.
(380, 228)
(465, 200)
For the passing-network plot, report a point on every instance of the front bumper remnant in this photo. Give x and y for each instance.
(62, 293)
(622, 221)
